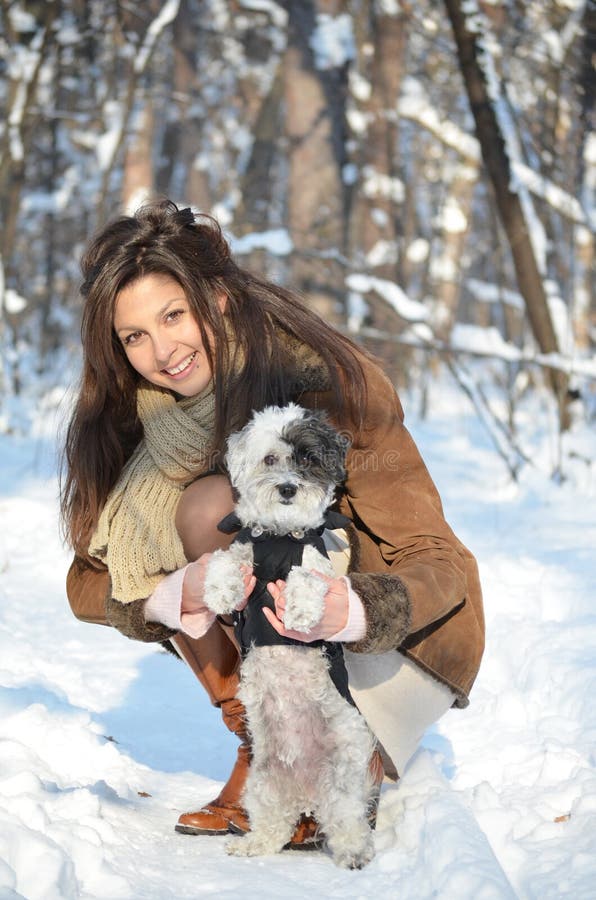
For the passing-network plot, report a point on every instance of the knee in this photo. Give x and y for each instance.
(203, 504)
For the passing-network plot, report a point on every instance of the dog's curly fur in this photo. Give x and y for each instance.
(311, 748)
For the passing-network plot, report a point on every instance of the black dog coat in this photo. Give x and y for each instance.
(274, 556)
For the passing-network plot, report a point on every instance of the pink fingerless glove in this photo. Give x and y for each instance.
(355, 627)
(164, 605)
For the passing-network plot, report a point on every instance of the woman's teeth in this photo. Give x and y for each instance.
(183, 365)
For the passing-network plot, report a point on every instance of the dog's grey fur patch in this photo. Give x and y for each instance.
(317, 449)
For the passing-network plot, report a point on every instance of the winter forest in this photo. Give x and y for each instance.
(424, 173)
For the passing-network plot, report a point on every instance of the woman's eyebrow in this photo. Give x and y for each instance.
(158, 315)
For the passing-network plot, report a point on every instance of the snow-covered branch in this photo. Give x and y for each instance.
(466, 339)
(165, 18)
(415, 106)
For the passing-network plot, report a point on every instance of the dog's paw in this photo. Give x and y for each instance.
(224, 583)
(252, 845)
(352, 846)
(354, 860)
(305, 594)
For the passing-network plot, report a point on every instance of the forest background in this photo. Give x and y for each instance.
(423, 173)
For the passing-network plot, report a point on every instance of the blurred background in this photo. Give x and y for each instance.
(423, 172)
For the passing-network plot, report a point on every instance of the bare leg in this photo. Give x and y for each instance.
(202, 506)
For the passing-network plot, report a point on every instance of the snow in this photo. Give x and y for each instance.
(107, 142)
(485, 292)
(13, 302)
(53, 201)
(276, 241)
(408, 309)
(414, 104)
(332, 41)
(381, 253)
(418, 250)
(357, 120)
(349, 173)
(388, 7)
(103, 741)
(480, 340)
(451, 218)
(21, 21)
(278, 15)
(443, 268)
(555, 196)
(360, 87)
(378, 184)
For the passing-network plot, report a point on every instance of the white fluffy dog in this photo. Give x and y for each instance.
(310, 746)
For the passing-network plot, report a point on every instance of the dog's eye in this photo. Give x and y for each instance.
(270, 459)
(307, 458)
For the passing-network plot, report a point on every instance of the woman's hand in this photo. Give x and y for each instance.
(334, 618)
(193, 587)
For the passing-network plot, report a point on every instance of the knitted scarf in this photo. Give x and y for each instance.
(136, 536)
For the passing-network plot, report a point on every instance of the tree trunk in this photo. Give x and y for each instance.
(315, 190)
(138, 176)
(511, 213)
(447, 270)
(376, 223)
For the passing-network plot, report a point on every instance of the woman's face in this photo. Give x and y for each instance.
(154, 322)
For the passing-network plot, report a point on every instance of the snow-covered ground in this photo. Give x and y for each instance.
(103, 741)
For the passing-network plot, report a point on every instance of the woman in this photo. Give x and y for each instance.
(180, 345)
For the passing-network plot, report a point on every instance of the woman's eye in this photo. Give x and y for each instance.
(270, 459)
(132, 338)
(174, 315)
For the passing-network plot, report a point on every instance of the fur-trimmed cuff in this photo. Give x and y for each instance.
(129, 619)
(388, 612)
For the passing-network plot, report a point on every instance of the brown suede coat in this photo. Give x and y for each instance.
(419, 585)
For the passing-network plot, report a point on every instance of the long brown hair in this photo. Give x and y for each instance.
(161, 239)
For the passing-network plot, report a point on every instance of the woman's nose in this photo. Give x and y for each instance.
(164, 346)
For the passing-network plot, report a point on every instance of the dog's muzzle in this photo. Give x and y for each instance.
(287, 490)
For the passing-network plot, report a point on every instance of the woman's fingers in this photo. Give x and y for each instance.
(278, 625)
(335, 612)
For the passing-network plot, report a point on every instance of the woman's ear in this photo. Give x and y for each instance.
(222, 302)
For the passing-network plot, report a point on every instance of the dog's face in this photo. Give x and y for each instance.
(285, 465)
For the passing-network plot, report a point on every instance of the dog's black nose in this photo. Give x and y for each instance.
(287, 490)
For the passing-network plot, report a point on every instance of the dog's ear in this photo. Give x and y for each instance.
(341, 439)
(234, 458)
(332, 445)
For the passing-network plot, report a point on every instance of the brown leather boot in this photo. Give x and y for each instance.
(215, 659)
(225, 813)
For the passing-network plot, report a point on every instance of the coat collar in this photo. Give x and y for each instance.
(304, 369)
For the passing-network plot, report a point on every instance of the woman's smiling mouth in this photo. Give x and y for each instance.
(182, 367)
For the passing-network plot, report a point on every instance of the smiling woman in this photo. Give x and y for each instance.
(180, 346)
(160, 336)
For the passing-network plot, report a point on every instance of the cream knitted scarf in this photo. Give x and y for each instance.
(136, 536)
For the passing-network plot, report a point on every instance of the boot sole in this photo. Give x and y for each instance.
(305, 846)
(189, 829)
